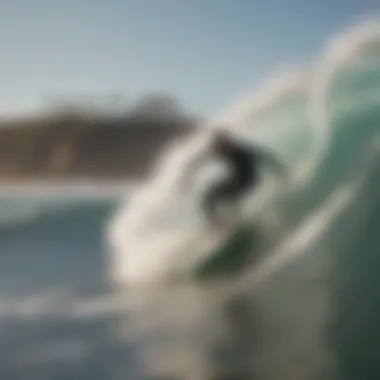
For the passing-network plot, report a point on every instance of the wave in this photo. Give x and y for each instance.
(16, 212)
(322, 120)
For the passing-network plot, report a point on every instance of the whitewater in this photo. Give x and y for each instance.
(307, 117)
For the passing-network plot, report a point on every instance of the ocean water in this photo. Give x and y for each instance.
(290, 296)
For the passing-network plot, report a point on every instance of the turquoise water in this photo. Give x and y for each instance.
(298, 299)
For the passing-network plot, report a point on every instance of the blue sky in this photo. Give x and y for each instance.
(204, 51)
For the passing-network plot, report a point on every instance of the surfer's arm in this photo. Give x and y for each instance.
(275, 163)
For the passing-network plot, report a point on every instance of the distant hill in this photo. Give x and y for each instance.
(76, 146)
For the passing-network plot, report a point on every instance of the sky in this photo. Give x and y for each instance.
(205, 52)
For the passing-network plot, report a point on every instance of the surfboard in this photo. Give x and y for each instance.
(206, 240)
(206, 237)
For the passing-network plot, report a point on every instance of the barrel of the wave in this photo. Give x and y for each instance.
(160, 234)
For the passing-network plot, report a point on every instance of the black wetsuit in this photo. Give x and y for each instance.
(244, 172)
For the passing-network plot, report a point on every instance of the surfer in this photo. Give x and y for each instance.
(244, 162)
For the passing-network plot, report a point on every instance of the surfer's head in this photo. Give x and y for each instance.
(222, 140)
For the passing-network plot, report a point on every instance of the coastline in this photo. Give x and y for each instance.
(65, 188)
